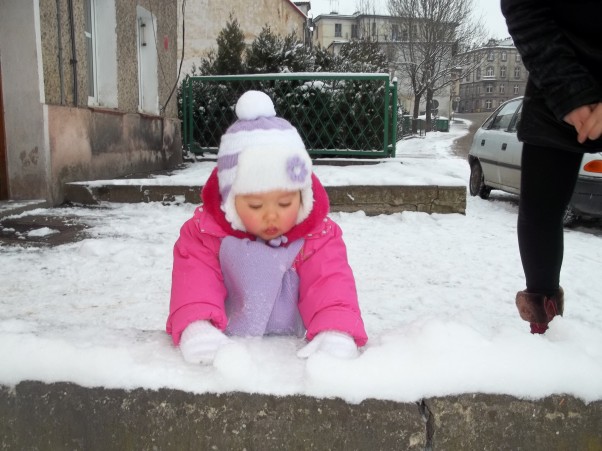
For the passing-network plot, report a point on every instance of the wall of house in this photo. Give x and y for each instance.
(206, 18)
(24, 116)
(54, 134)
(87, 144)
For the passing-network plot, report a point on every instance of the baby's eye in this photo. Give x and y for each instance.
(285, 204)
(255, 206)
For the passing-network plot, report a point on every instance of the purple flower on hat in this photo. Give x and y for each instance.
(297, 171)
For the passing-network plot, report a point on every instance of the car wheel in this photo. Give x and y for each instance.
(477, 181)
(570, 217)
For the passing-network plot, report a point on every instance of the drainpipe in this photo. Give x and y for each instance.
(60, 45)
(73, 53)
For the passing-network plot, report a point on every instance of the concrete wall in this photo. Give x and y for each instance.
(86, 144)
(65, 416)
(22, 81)
(206, 18)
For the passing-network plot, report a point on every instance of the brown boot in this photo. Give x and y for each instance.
(539, 309)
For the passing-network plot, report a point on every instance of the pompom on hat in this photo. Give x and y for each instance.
(259, 153)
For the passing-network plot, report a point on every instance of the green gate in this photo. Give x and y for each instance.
(352, 115)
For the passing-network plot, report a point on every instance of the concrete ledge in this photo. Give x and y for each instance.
(59, 416)
(373, 199)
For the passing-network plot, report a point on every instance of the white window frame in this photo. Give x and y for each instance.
(102, 83)
(148, 61)
(91, 56)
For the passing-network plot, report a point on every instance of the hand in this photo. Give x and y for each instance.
(592, 127)
(333, 343)
(587, 120)
(200, 342)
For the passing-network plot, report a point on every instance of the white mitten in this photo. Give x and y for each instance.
(335, 344)
(200, 341)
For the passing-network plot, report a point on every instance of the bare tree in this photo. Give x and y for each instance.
(432, 35)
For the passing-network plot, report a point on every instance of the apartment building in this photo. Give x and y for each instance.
(332, 31)
(499, 75)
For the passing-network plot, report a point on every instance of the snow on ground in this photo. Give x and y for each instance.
(436, 291)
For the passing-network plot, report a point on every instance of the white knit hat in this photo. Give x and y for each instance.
(259, 153)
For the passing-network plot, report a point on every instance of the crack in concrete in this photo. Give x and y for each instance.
(429, 424)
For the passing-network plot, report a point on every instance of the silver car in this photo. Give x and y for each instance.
(495, 159)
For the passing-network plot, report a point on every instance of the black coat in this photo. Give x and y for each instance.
(560, 42)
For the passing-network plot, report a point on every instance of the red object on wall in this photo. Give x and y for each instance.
(165, 42)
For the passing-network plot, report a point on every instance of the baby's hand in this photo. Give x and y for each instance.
(200, 342)
(335, 344)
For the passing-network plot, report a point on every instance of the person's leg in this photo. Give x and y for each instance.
(548, 178)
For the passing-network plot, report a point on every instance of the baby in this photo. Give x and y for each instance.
(261, 256)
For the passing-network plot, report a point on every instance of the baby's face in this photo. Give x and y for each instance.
(268, 215)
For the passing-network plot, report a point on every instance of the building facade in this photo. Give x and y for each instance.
(205, 19)
(332, 31)
(87, 92)
(499, 75)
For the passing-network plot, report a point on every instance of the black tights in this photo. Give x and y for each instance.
(548, 178)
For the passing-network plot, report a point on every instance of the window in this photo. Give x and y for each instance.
(374, 29)
(338, 30)
(517, 57)
(89, 35)
(148, 80)
(488, 104)
(354, 33)
(502, 89)
(504, 56)
(489, 72)
(490, 56)
(478, 73)
(489, 89)
(517, 72)
(502, 120)
(395, 35)
(516, 89)
(101, 52)
(406, 35)
(502, 71)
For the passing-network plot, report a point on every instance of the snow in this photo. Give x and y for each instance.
(42, 232)
(436, 291)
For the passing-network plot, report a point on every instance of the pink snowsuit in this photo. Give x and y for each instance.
(327, 294)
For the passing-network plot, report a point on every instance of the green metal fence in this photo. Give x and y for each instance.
(336, 114)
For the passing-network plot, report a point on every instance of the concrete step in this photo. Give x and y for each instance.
(373, 199)
(34, 415)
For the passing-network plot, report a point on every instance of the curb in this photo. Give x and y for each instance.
(373, 199)
(34, 415)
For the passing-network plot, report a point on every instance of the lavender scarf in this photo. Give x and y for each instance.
(263, 289)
